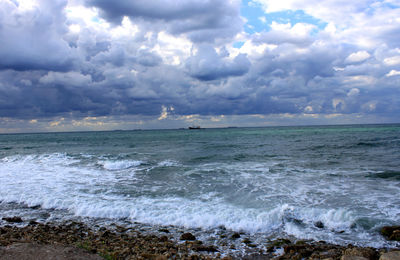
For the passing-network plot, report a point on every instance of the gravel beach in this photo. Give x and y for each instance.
(76, 240)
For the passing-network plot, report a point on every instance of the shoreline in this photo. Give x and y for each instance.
(130, 243)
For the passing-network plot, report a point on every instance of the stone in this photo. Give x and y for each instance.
(319, 224)
(391, 232)
(201, 248)
(235, 236)
(164, 239)
(13, 219)
(353, 257)
(367, 253)
(246, 241)
(395, 235)
(280, 242)
(187, 236)
(393, 255)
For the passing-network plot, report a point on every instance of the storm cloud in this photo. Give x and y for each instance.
(162, 60)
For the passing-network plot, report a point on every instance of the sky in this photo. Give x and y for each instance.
(73, 65)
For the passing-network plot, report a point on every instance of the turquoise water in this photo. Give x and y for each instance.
(266, 182)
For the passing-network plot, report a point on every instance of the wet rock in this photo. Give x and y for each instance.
(280, 242)
(105, 234)
(296, 221)
(393, 255)
(299, 251)
(319, 224)
(121, 229)
(235, 236)
(203, 248)
(246, 241)
(153, 256)
(32, 223)
(164, 230)
(163, 239)
(13, 219)
(187, 236)
(391, 232)
(367, 253)
(270, 249)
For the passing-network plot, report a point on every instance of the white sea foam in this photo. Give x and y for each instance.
(168, 163)
(266, 203)
(119, 164)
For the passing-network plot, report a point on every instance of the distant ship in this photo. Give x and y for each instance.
(194, 127)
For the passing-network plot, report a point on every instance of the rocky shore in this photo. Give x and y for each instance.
(74, 240)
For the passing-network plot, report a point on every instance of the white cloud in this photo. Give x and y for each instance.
(66, 79)
(392, 61)
(364, 23)
(358, 56)
(172, 49)
(393, 73)
(164, 113)
(353, 92)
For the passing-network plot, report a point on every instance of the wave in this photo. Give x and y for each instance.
(394, 175)
(251, 197)
(168, 163)
(119, 164)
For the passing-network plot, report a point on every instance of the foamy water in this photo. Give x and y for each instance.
(265, 182)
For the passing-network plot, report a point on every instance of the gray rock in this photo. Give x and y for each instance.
(394, 255)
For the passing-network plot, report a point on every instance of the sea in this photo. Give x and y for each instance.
(339, 184)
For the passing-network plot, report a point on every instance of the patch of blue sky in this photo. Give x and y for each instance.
(390, 4)
(96, 19)
(15, 2)
(382, 4)
(238, 45)
(259, 21)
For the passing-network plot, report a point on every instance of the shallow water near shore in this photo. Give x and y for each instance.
(339, 184)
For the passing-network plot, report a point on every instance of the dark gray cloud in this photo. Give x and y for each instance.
(178, 55)
(208, 65)
(201, 20)
(32, 40)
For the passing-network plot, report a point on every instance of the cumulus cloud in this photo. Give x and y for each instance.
(392, 61)
(165, 61)
(357, 57)
(206, 64)
(31, 36)
(201, 20)
(298, 34)
(393, 73)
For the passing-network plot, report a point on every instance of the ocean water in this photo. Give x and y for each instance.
(334, 183)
